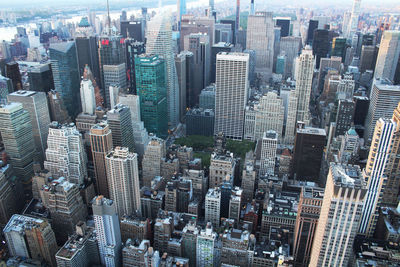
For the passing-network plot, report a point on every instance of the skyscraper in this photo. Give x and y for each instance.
(120, 122)
(303, 76)
(151, 163)
(114, 76)
(108, 232)
(64, 66)
(29, 237)
(291, 116)
(260, 38)
(111, 52)
(159, 42)
(88, 100)
(384, 98)
(377, 171)
(181, 8)
(123, 180)
(388, 55)
(101, 145)
(353, 23)
(213, 206)
(307, 155)
(231, 93)
(87, 53)
(41, 78)
(151, 87)
(65, 153)
(16, 132)
(133, 49)
(269, 144)
(5, 87)
(12, 72)
(36, 105)
(306, 222)
(340, 216)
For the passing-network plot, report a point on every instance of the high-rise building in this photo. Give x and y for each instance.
(12, 72)
(353, 23)
(312, 26)
(108, 233)
(120, 122)
(303, 76)
(29, 237)
(189, 242)
(183, 71)
(208, 249)
(36, 105)
(207, 98)
(123, 180)
(138, 254)
(191, 24)
(65, 153)
(291, 116)
(369, 54)
(306, 223)
(8, 198)
(213, 206)
(248, 178)
(65, 204)
(321, 45)
(340, 216)
(269, 143)
(339, 47)
(41, 78)
(64, 66)
(181, 7)
(81, 249)
(111, 52)
(221, 165)
(268, 114)
(384, 98)
(260, 38)
(159, 42)
(388, 55)
(378, 171)
(16, 132)
(140, 134)
(88, 100)
(133, 29)
(163, 228)
(235, 247)
(87, 53)
(199, 45)
(133, 49)
(5, 87)
(151, 87)
(215, 49)
(58, 112)
(151, 163)
(101, 145)
(231, 94)
(307, 155)
(113, 76)
(344, 116)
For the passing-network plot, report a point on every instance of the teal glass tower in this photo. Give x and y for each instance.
(152, 90)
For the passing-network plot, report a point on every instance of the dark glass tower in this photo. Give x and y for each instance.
(41, 78)
(133, 49)
(321, 45)
(64, 65)
(87, 51)
(152, 90)
(312, 26)
(12, 72)
(133, 29)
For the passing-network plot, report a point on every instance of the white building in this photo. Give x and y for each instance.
(65, 153)
(340, 217)
(231, 93)
(108, 233)
(303, 76)
(291, 116)
(353, 23)
(36, 105)
(376, 172)
(269, 144)
(159, 42)
(349, 145)
(208, 248)
(388, 55)
(266, 115)
(123, 180)
(151, 163)
(260, 38)
(88, 100)
(213, 206)
(383, 100)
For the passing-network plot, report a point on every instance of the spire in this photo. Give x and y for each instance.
(108, 18)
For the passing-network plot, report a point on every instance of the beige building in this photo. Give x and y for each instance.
(340, 216)
(220, 167)
(151, 163)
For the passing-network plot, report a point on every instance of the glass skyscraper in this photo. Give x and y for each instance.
(64, 65)
(151, 88)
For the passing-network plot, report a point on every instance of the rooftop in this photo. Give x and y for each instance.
(18, 223)
(313, 131)
(347, 175)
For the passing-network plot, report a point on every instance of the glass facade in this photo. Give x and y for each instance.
(152, 90)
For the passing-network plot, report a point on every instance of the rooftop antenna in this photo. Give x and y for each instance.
(109, 19)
